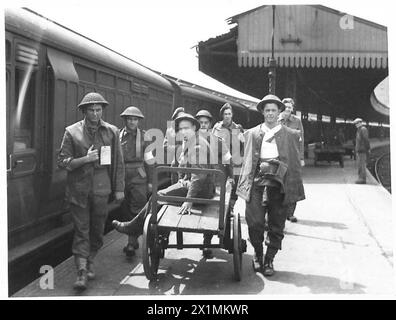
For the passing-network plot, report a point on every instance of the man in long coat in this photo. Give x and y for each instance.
(270, 180)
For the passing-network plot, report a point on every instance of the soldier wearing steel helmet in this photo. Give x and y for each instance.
(92, 155)
(205, 119)
(138, 170)
(270, 181)
(223, 161)
(170, 143)
(194, 185)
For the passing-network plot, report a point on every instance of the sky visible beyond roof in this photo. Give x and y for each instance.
(162, 34)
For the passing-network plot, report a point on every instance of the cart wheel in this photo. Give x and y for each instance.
(150, 249)
(237, 246)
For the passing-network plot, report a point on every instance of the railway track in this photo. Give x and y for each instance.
(382, 170)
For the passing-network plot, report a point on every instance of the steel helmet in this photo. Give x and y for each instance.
(133, 112)
(93, 98)
(270, 98)
(188, 117)
(203, 113)
(357, 120)
(176, 112)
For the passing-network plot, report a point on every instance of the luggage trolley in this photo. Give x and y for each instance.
(209, 216)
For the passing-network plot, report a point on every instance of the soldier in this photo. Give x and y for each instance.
(189, 185)
(92, 155)
(289, 120)
(222, 162)
(170, 144)
(223, 159)
(270, 180)
(205, 120)
(138, 170)
(362, 149)
(229, 131)
(170, 131)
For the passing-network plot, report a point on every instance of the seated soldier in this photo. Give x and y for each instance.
(223, 161)
(194, 149)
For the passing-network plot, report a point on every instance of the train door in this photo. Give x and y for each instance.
(23, 133)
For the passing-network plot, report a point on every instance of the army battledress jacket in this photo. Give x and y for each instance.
(80, 181)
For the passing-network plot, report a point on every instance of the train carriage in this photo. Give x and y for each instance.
(49, 68)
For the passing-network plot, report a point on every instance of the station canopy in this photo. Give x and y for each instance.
(328, 61)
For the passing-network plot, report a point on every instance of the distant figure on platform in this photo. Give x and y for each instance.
(362, 149)
(138, 170)
(288, 119)
(270, 180)
(341, 136)
(92, 155)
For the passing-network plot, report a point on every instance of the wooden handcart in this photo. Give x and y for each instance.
(209, 216)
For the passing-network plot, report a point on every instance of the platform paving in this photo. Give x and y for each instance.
(342, 244)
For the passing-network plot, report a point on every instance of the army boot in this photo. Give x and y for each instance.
(90, 266)
(134, 226)
(206, 252)
(131, 246)
(257, 261)
(81, 282)
(91, 271)
(268, 267)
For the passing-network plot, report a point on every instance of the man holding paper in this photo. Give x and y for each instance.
(91, 153)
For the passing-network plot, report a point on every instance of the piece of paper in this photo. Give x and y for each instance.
(105, 155)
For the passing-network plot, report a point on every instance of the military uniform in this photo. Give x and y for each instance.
(193, 185)
(229, 135)
(189, 185)
(137, 172)
(89, 186)
(170, 143)
(226, 132)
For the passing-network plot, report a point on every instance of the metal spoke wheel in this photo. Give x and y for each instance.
(150, 248)
(237, 246)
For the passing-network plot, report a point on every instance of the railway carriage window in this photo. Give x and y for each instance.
(23, 114)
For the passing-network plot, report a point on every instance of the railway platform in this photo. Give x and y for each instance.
(342, 244)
